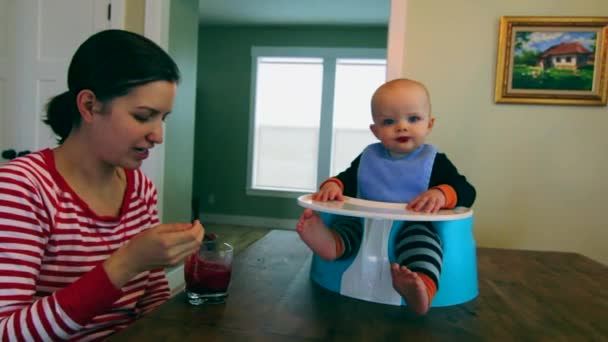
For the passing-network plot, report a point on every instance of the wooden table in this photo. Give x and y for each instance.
(524, 295)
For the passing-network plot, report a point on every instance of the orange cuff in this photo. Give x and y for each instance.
(431, 288)
(335, 180)
(450, 195)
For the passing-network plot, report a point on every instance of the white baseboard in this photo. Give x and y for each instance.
(175, 276)
(249, 221)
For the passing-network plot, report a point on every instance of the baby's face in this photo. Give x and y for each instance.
(402, 119)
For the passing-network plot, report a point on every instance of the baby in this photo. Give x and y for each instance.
(400, 168)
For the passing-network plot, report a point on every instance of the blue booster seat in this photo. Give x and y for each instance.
(366, 275)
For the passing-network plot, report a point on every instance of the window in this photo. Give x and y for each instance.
(310, 114)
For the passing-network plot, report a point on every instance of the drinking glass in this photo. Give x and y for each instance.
(208, 273)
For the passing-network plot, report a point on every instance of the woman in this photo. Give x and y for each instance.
(82, 253)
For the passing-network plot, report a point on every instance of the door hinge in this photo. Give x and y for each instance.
(109, 12)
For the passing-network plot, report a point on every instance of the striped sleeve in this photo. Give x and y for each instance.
(156, 292)
(24, 233)
(157, 288)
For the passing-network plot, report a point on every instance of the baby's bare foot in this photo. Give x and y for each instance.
(316, 235)
(411, 288)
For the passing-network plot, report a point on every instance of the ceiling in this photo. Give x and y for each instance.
(294, 12)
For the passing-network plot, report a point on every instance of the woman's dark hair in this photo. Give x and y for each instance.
(109, 63)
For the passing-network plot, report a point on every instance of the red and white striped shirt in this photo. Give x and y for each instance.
(52, 245)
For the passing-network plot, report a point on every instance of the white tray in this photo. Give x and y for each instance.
(380, 210)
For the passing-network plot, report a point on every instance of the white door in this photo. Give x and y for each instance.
(6, 67)
(37, 41)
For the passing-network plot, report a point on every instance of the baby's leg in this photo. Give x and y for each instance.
(317, 235)
(413, 288)
(416, 273)
(339, 241)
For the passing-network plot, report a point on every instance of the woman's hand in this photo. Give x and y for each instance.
(429, 201)
(161, 246)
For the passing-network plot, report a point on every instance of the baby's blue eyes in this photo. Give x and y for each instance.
(410, 119)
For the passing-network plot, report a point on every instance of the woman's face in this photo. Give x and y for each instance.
(132, 124)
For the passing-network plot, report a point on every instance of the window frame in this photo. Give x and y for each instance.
(330, 56)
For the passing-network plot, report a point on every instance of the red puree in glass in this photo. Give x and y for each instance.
(206, 277)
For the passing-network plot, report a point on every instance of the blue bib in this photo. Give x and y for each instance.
(383, 178)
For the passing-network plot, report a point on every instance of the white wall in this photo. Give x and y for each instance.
(540, 171)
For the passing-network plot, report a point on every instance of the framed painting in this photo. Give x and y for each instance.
(552, 60)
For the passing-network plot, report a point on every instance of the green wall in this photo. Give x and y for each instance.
(179, 130)
(223, 96)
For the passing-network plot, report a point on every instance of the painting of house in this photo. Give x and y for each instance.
(566, 55)
(553, 60)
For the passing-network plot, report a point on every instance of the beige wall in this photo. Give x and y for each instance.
(135, 11)
(540, 171)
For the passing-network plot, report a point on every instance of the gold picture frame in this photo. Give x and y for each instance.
(552, 60)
